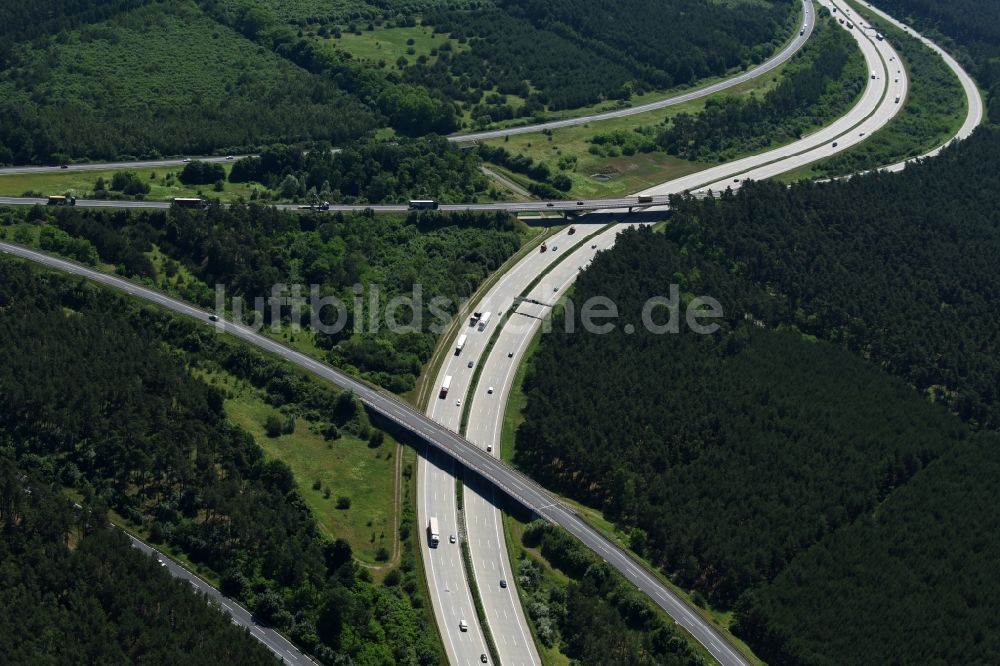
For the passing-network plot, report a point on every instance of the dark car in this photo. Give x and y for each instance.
(483, 658)
(503, 583)
(64, 166)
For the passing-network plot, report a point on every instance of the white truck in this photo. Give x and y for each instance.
(460, 345)
(445, 386)
(484, 321)
(433, 536)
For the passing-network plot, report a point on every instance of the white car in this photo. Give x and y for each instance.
(463, 625)
(458, 403)
(452, 539)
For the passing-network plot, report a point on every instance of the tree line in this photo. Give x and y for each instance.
(598, 618)
(368, 172)
(250, 248)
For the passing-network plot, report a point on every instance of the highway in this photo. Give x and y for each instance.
(240, 616)
(876, 107)
(873, 110)
(534, 206)
(484, 531)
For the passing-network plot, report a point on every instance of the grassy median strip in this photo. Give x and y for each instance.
(470, 575)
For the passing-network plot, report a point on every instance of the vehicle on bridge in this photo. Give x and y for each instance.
(60, 200)
(645, 198)
(423, 204)
(433, 536)
(189, 202)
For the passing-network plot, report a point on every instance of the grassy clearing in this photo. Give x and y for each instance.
(344, 467)
(386, 45)
(163, 182)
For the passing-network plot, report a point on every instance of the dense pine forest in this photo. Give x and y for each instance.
(900, 269)
(818, 457)
(248, 249)
(98, 396)
(76, 592)
(571, 53)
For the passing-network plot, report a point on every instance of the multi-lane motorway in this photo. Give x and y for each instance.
(482, 515)
(482, 527)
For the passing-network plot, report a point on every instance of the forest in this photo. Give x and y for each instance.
(368, 172)
(815, 86)
(572, 53)
(76, 592)
(99, 398)
(250, 248)
(598, 618)
(829, 452)
(899, 269)
(794, 439)
(162, 79)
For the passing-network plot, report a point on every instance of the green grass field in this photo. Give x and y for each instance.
(346, 466)
(389, 44)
